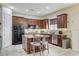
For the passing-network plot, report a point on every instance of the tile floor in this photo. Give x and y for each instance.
(16, 50)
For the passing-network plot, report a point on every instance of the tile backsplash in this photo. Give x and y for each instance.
(66, 32)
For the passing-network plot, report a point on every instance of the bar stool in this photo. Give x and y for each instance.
(36, 43)
(45, 43)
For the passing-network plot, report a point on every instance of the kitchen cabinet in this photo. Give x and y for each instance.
(17, 20)
(62, 21)
(44, 23)
(59, 37)
(63, 41)
(25, 21)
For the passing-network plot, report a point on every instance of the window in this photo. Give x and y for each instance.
(53, 27)
(53, 24)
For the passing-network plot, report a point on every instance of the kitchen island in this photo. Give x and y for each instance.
(29, 38)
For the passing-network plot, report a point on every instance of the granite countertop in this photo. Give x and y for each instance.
(64, 36)
(33, 36)
(28, 36)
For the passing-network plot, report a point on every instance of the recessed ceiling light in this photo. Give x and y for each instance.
(11, 7)
(47, 7)
(32, 10)
(38, 12)
(27, 10)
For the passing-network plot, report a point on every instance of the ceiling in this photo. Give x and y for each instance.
(36, 9)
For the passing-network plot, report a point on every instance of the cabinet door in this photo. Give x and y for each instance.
(44, 24)
(60, 40)
(62, 21)
(59, 21)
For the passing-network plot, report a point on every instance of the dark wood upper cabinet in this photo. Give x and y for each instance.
(62, 21)
(42, 23)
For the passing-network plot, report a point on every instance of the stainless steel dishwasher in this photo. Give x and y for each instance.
(66, 43)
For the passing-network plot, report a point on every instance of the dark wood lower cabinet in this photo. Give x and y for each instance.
(59, 37)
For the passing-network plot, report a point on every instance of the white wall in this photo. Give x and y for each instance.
(7, 27)
(73, 23)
